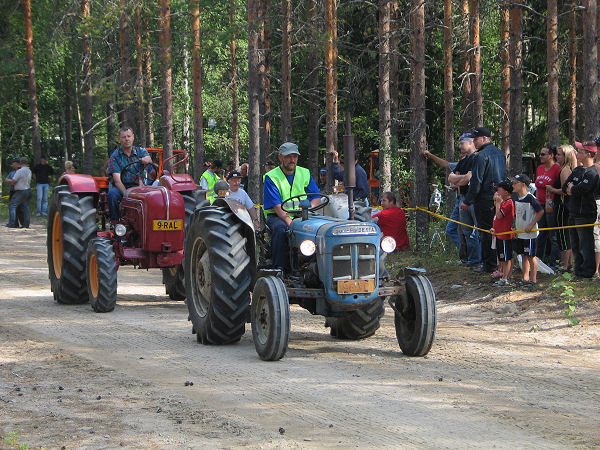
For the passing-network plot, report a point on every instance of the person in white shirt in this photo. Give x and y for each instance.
(21, 181)
(237, 193)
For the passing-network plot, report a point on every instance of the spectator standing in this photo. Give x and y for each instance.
(597, 227)
(244, 168)
(528, 212)
(41, 174)
(21, 181)
(322, 181)
(235, 192)
(209, 177)
(392, 221)
(460, 177)
(547, 173)
(581, 186)
(361, 191)
(15, 165)
(489, 168)
(566, 157)
(503, 220)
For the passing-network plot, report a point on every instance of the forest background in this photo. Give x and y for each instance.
(232, 80)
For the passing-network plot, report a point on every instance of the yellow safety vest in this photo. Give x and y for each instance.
(211, 179)
(301, 181)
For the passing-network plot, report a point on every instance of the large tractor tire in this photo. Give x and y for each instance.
(218, 276)
(359, 324)
(270, 318)
(101, 270)
(415, 317)
(71, 224)
(173, 277)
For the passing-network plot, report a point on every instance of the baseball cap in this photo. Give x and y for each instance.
(206, 163)
(323, 171)
(588, 146)
(506, 185)
(523, 179)
(288, 148)
(481, 131)
(217, 164)
(234, 174)
(466, 136)
(24, 160)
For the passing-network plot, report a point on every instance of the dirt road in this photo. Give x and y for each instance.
(497, 376)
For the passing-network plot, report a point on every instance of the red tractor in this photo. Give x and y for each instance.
(85, 249)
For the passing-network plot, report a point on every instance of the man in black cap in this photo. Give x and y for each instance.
(489, 169)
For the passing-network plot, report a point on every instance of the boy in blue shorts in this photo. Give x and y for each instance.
(528, 212)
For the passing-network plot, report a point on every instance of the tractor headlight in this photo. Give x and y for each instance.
(120, 229)
(388, 244)
(308, 247)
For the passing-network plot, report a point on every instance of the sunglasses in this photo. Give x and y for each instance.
(543, 154)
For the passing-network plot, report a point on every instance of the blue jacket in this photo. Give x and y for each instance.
(489, 169)
(361, 191)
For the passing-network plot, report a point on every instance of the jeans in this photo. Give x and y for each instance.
(452, 227)
(114, 197)
(582, 243)
(19, 199)
(279, 242)
(471, 236)
(42, 199)
(547, 246)
(484, 213)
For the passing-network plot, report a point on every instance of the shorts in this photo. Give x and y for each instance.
(597, 229)
(525, 246)
(504, 249)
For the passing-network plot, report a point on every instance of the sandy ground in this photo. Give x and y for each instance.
(505, 371)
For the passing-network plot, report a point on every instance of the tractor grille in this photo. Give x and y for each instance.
(353, 262)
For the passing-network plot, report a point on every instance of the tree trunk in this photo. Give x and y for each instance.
(234, 100)
(126, 96)
(111, 125)
(385, 166)
(418, 125)
(448, 89)
(68, 117)
(86, 91)
(313, 96)
(166, 91)
(197, 91)
(330, 84)
(264, 70)
(467, 107)
(286, 71)
(140, 78)
(552, 62)
(33, 108)
(572, 105)
(590, 68)
(504, 76)
(253, 101)
(185, 132)
(394, 70)
(516, 88)
(148, 85)
(477, 111)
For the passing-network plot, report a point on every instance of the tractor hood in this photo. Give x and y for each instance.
(321, 229)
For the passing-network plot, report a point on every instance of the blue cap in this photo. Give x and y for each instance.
(323, 171)
(288, 148)
(466, 136)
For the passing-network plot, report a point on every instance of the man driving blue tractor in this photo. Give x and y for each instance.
(285, 181)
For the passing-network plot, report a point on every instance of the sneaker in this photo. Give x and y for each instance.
(37, 215)
(502, 282)
(478, 269)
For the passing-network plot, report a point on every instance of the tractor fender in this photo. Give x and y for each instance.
(241, 213)
(80, 183)
(178, 182)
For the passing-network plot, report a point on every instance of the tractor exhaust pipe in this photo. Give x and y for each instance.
(349, 166)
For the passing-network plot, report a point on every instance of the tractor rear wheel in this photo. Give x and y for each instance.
(101, 270)
(359, 324)
(71, 224)
(270, 318)
(173, 277)
(218, 276)
(415, 319)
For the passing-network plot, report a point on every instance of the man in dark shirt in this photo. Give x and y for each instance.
(361, 191)
(489, 169)
(581, 186)
(41, 174)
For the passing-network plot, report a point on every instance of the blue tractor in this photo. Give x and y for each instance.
(336, 272)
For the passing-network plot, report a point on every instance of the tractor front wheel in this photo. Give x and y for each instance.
(217, 276)
(359, 324)
(415, 317)
(270, 318)
(101, 275)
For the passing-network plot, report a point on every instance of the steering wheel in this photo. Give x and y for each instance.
(311, 209)
(138, 173)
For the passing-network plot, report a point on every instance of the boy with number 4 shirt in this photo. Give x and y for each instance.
(528, 212)
(505, 213)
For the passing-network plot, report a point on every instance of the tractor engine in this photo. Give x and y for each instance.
(154, 218)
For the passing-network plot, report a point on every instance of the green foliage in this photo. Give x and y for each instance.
(565, 284)
(12, 440)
